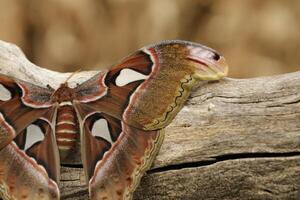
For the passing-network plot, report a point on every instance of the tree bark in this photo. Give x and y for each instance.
(234, 139)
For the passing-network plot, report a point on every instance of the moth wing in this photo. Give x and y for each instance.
(29, 166)
(21, 103)
(135, 100)
(148, 88)
(115, 155)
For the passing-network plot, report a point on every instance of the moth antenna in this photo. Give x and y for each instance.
(77, 71)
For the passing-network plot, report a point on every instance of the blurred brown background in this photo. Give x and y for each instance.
(257, 37)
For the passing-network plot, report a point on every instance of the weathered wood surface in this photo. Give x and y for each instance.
(234, 139)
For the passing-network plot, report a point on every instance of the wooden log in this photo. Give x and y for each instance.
(234, 139)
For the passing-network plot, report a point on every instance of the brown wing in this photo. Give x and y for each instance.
(141, 96)
(147, 89)
(21, 103)
(115, 156)
(29, 166)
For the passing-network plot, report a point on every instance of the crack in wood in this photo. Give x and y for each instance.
(221, 158)
(69, 180)
(76, 166)
(203, 163)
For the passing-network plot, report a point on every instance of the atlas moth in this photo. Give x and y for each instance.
(113, 121)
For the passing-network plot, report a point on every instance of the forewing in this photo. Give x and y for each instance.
(115, 156)
(147, 89)
(21, 103)
(29, 166)
(139, 97)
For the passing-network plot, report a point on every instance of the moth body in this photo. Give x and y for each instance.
(66, 130)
